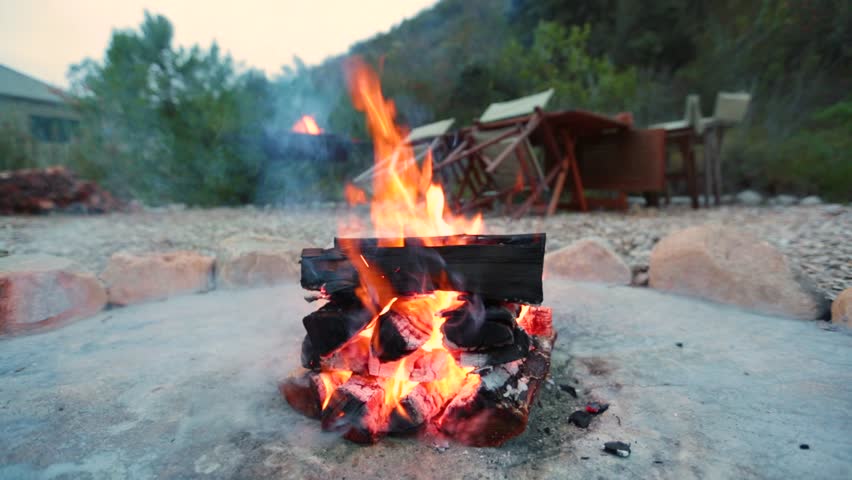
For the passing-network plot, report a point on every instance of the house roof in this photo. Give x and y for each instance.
(16, 84)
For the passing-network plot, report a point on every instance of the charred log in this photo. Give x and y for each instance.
(333, 324)
(303, 391)
(500, 268)
(497, 408)
(356, 409)
(477, 327)
(399, 334)
(519, 348)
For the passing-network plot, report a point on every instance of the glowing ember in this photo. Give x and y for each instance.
(307, 125)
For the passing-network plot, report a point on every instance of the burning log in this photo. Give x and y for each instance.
(476, 327)
(501, 268)
(497, 408)
(357, 410)
(518, 349)
(333, 324)
(308, 392)
(401, 331)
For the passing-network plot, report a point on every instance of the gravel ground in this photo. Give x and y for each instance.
(818, 238)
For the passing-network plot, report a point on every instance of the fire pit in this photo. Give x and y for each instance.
(430, 327)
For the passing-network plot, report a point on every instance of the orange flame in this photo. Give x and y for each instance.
(405, 203)
(307, 125)
(354, 195)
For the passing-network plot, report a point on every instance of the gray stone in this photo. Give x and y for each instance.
(749, 197)
(38, 291)
(136, 394)
(841, 308)
(810, 201)
(730, 266)
(249, 260)
(588, 260)
(141, 277)
(783, 200)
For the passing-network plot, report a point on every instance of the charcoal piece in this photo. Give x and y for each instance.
(310, 357)
(495, 409)
(620, 449)
(537, 321)
(477, 327)
(417, 408)
(596, 408)
(357, 410)
(352, 356)
(500, 268)
(496, 356)
(568, 389)
(335, 323)
(302, 390)
(805, 446)
(581, 418)
(398, 335)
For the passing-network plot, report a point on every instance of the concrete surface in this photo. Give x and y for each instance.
(186, 389)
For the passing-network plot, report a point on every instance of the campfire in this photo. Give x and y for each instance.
(307, 125)
(429, 327)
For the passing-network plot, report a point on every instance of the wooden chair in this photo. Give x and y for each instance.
(730, 109)
(497, 161)
(432, 137)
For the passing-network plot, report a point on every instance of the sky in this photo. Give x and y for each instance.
(42, 38)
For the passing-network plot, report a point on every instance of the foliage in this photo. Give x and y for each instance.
(15, 146)
(170, 124)
(814, 160)
(559, 58)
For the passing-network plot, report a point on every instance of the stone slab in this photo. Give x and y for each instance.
(187, 389)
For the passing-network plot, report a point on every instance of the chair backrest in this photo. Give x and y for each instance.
(517, 107)
(731, 107)
(692, 110)
(430, 130)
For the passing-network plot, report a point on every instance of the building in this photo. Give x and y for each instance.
(37, 116)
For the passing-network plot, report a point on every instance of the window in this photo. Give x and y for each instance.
(52, 129)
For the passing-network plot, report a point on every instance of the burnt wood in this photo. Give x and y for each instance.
(474, 326)
(332, 325)
(397, 336)
(495, 410)
(357, 410)
(495, 267)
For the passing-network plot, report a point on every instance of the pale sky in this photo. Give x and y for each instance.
(43, 38)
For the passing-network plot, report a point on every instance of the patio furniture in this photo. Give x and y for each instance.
(432, 137)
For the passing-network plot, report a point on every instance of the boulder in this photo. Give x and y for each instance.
(810, 201)
(782, 200)
(250, 260)
(140, 277)
(841, 309)
(749, 197)
(42, 290)
(588, 260)
(729, 266)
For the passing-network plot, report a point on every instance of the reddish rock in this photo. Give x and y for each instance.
(729, 266)
(134, 278)
(841, 309)
(588, 260)
(43, 291)
(249, 260)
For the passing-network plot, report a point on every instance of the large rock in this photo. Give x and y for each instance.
(250, 260)
(749, 197)
(588, 260)
(730, 266)
(810, 201)
(134, 278)
(42, 290)
(841, 309)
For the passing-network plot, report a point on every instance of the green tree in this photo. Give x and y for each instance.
(170, 124)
